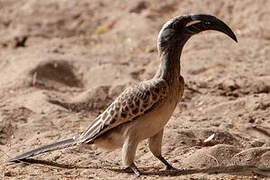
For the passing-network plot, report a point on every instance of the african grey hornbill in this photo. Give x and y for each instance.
(142, 111)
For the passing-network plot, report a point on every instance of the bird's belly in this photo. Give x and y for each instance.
(112, 139)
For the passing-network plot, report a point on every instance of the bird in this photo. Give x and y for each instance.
(140, 112)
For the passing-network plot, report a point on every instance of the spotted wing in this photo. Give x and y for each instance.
(132, 103)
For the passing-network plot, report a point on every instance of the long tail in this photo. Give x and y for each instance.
(51, 147)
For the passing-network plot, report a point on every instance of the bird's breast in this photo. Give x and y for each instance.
(155, 119)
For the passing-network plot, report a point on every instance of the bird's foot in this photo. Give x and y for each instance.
(168, 166)
(171, 168)
(133, 169)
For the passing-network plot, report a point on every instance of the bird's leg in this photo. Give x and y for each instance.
(128, 154)
(155, 147)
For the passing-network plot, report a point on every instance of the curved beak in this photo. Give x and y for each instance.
(203, 22)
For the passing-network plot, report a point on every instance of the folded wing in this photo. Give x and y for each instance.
(132, 103)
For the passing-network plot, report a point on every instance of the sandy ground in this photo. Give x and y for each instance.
(62, 62)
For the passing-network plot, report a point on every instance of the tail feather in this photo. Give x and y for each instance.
(54, 146)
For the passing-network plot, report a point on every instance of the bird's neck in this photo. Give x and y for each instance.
(169, 68)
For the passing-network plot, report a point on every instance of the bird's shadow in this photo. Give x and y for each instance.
(233, 170)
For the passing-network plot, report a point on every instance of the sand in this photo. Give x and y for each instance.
(63, 62)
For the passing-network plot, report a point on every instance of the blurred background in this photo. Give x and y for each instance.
(63, 62)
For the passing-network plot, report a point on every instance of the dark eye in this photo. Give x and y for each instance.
(177, 25)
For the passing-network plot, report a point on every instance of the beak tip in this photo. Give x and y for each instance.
(235, 39)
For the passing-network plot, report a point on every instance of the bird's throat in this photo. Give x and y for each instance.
(169, 68)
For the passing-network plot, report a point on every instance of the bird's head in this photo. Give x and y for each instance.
(179, 29)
